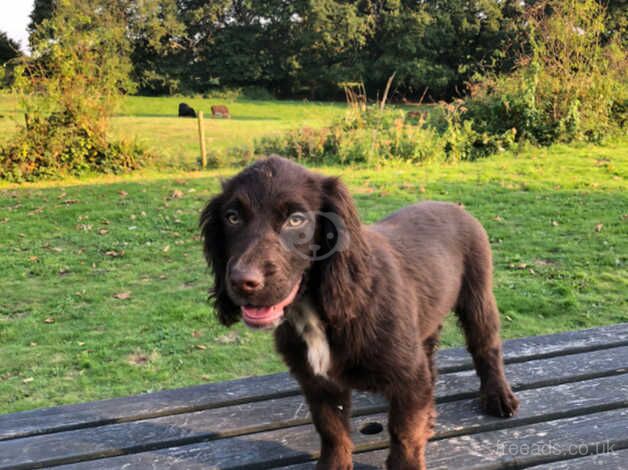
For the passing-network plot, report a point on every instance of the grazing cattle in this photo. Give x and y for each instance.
(220, 111)
(186, 110)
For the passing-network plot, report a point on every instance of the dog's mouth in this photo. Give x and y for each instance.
(264, 317)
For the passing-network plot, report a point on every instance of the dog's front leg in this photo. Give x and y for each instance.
(330, 407)
(409, 422)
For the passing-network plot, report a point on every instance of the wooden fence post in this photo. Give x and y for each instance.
(201, 138)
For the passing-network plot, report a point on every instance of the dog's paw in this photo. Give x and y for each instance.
(498, 400)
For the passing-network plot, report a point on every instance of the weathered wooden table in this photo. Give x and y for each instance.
(573, 389)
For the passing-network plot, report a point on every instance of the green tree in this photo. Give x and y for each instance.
(69, 88)
(9, 49)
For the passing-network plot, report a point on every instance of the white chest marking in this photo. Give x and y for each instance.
(309, 326)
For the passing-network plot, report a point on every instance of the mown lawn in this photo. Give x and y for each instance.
(174, 141)
(104, 287)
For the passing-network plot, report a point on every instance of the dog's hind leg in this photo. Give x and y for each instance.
(430, 346)
(479, 317)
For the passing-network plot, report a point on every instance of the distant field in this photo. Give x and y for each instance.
(154, 122)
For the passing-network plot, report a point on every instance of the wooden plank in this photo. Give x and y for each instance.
(537, 347)
(548, 441)
(145, 405)
(214, 395)
(301, 442)
(613, 459)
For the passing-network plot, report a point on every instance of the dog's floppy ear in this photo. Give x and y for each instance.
(344, 264)
(214, 248)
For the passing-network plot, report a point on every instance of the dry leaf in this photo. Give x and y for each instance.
(197, 334)
(518, 266)
(27, 380)
(122, 295)
(114, 254)
(36, 211)
(166, 249)
(176, 194)
(62, 195)
(497, 219)
(70, 201)
(123, 194)
(33, 259)
(228, 338)
(598, 227)
(49, 320)
(554, 223)
(103, 231)
(202, 347)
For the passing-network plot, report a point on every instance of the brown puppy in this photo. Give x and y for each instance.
(354, 306)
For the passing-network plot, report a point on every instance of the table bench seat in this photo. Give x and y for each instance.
(573, 389)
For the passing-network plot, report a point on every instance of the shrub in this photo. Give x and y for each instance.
(69, 88)
(571, 86)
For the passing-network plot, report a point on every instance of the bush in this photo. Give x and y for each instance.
(374, 136)
(58, 146)
(69, 87)
(571, 86)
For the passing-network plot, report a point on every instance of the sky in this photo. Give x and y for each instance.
(14, 19)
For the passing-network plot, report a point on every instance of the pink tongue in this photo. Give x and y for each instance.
(264, 316)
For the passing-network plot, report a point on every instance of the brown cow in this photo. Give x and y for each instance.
(220, 111)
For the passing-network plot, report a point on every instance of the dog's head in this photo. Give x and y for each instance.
(273, 224)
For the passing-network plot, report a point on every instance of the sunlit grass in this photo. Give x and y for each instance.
(557, 219)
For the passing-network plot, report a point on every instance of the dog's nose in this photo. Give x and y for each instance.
(247, 280)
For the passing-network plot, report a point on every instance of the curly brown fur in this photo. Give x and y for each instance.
(370, 301)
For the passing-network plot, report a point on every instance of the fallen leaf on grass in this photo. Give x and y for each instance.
(176, 194)
(228, 338)
(140, 359)
(518, 266)
(598, 227)
(62, 195)
(202, 347)
(123, 194)
(4, 220)
(114, 254)
(122, 295)
(36, 211)
(27, 380)
(103, 231)
(197, 334)
(166, 249)
(33, 259)
(49, 320)
(554, 223)
(70, 201)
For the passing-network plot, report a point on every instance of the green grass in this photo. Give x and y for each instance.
(154, 123)
(557, 219)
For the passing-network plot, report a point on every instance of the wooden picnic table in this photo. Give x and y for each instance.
(573, 389)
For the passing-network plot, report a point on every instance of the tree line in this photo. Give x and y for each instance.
(305, 48)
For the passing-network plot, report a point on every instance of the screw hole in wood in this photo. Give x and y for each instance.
(372, 428)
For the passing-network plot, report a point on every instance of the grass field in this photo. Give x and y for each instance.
(104, 286)
(154, 123)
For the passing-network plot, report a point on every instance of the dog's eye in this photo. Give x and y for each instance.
(296, 220)
(232, 217)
